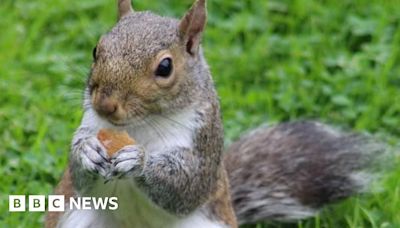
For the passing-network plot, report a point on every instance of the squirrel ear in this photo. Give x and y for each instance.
(192, 25)
(124, 8)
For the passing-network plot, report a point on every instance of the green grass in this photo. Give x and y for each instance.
(273, 61)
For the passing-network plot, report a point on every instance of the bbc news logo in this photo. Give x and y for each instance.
(37, 203)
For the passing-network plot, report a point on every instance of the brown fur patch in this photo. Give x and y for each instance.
(63, 188)
(220, 202)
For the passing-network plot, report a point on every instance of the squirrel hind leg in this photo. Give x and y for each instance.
(289, 171)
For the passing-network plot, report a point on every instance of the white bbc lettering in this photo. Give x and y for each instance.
(56, 203)
(100, 203)
(113, 203)
(16, 203)
(37, 203)
(86, 201)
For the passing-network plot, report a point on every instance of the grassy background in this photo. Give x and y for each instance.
(337, 61)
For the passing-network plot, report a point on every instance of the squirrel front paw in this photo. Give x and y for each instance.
(94, 157)
(128, 161)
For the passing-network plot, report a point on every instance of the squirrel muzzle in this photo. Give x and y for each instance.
(108, 107)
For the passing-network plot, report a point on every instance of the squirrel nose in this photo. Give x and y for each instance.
(107, 107)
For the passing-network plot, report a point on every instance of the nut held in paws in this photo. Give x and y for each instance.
(113, 140)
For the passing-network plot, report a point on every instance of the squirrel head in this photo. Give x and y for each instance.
(148, 64)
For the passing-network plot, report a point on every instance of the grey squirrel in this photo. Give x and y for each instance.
(149, 77)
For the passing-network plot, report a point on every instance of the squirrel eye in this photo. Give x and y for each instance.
(92, 86)
(164, 69)
(94, 52)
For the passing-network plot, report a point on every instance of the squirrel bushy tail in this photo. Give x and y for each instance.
(289, 171)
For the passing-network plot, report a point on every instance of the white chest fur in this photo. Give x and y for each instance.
(157, 132)
(160, 132)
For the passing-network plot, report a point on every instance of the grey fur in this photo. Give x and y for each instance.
(181, 179)
(84, 146)
(289, 171)
(128, 161)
